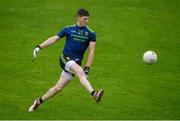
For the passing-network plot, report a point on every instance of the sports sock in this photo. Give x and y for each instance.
(40, 100)
(93, 92)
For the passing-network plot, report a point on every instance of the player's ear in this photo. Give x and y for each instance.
(78, 17)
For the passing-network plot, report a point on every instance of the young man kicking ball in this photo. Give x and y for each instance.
(78, 38)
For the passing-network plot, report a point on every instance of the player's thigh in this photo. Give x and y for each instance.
(76, 69)
(64, 79)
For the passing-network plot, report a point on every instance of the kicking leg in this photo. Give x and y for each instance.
(62, 82)
(74, 68)
(78, 71)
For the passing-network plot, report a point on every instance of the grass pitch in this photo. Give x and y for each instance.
(125, 30)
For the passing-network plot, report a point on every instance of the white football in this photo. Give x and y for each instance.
(150, 57)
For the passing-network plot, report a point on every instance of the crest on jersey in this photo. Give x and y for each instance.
(86, 33)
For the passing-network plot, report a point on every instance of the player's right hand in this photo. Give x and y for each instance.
(36, 51)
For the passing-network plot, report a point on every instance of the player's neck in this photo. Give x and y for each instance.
(79, 25)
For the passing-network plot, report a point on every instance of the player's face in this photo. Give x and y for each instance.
(83, 20)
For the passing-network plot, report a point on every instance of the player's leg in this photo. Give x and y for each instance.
(78, 71)
(62, 82)
(74, 68)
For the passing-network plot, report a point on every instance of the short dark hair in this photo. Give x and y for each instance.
(82, 12)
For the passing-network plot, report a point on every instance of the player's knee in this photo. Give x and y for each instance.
(80, 72)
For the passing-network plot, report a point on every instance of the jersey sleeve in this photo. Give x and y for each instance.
(62, 33)
(93, 37)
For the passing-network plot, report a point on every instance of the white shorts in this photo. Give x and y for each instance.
(69, 64)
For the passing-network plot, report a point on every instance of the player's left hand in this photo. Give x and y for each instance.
(86, 71)
(36, 51)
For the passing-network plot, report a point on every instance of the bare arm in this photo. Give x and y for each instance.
(49, 41)
(91, 53)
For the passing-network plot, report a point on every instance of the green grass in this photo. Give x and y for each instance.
(125, 30)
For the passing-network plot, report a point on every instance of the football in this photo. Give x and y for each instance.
(150, 57)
